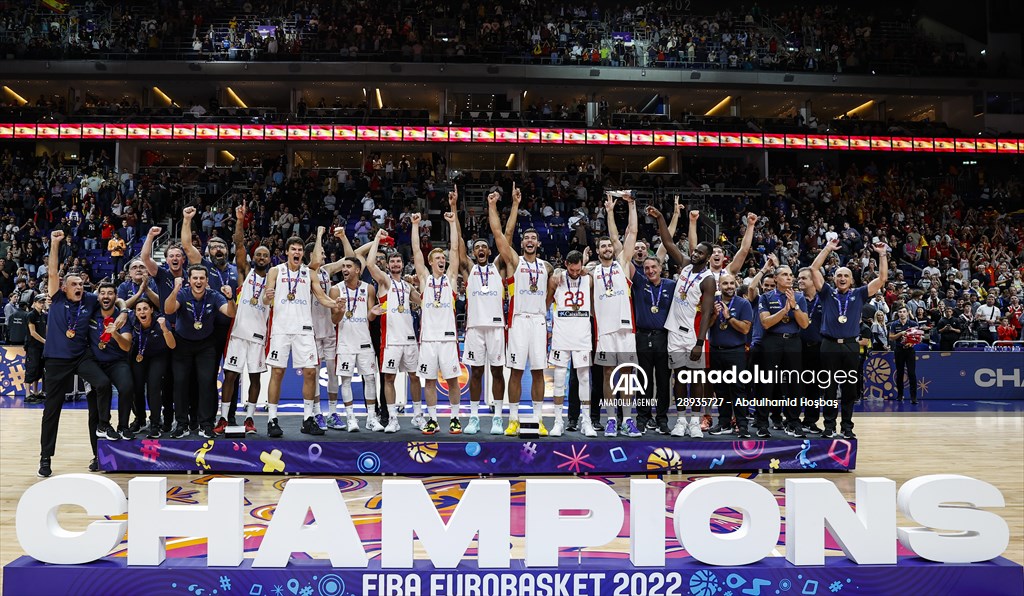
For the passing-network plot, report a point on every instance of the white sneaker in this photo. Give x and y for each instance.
(352, 425)
(372, 424)
(558, 428)
(392, 426)
(694, 429)
(418, 421)
(587, 427)
(679, 430)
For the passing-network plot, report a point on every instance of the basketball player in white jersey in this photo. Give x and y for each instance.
(572, 292)
(290, 289)
(399, 346)
(247, 344)
(695, 292)
(358, 306)
(439, 343)
(527, 326)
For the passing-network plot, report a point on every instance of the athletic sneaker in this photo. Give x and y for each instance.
(542, 431)
(320, 421)
(334, 422)
(629, 429)
(44, 468)
(352, 425)
(372, 424)
(777, 426)
(705, 422)
(392, 426)
(811, 429)
(310, 427)
(572, 426)
(222, 426)
(848, 434)
(454, 427)
(250, 426)
(274, 429)
(797, 431)
(154, 432)
(587, 427)
(179, 432)
(137, 425)
(662, 428)
(763, 433)
(512, 430)
(94, 465)
(719, 430)
(127, 434)
(418, 421)
(611, 429)
(166, 426)
(430, 428)
(679, 430)
(558, 428)
(496, 425)
(828, 433)
(743, 432)
(473, 426)
(205, 433)
(107, 432)
(694, 429)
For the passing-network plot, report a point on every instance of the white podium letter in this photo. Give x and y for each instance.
(333, 531)
(950, 502)
(40, 533)
(485, 507)
(753, 541)
(867, 536)
(647, 523)
(151, 520)
(547, 529)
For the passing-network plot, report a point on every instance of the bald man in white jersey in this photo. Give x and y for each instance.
(527, 326)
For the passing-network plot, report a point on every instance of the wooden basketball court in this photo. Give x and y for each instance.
(899, 447)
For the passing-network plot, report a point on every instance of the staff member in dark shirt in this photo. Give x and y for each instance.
(34, 342)
(138, 285)
(150, 361)
(841, 308)
(728, 338)
(164, 277)
(652, 297)
(783, 313)
(949, 330)
(196, 354)
(110, 350)
(903, 352)
(66, 352)
(810, 340)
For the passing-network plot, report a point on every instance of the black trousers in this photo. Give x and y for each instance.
(652, 356)
(33, 363)
(811, 355)
(150, 376)
(596, 393)
(782, 353)
(120, 375)
(58, 381)
(755, 390)
(195, 360)
(382, 405)
(906, 362)
(730, 359)
(841, 356)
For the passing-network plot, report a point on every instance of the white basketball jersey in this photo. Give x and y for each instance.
(354, 332)
(484, 293)
(437, 322)
(571, 327)
(292, 316)
(322, 324)
(396, 328)
(613, 307)
(686, 300)
(529, 288)
(251, 319)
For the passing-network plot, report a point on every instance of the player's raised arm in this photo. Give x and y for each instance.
(691, 233)
(670, 247)
(508, 254)
(613, 228)
(147, 250)
(193, 254)
(379, 276)
(316, 257)
(238, 239)
(883, 269)
(417, 253)
(819, 262)
(736, 265)
(453, 248)
(629, 242)
(53, 263)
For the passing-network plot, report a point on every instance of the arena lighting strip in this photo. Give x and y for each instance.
(474, 134)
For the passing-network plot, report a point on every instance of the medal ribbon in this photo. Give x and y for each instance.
(257, 289)
(198, 311)
(533, 275)
(721, 315)
(348, 300)
(73, 321)
(143, 339)
(689, 283)
(293, 283)
(485, 275)
(608, 277)
(655, 298)
(400, 291)
(579, 284)
(843, 304)
(438, 290)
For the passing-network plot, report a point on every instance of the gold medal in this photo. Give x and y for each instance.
(608, 292)
(485, 289)
(70, 333)
(291, 295)
(533, 287)
(437, 304)
(785, 319)
(198, 325)
(842, 319)
(103, 345)
(401, 308)
(254, 301)
(348, 314)
(138, 358)
(654, 309)
(723, 326)
(575, 307)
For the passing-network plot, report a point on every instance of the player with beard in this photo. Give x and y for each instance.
(355, 349)
(137, 286)
(728, 339)
(150, 359)
(221, 273)
(439, 347)
(613, 312)
(841, 310)
(485, 322)
(66, 353)
(164, 276)
(694, 293)
(290, 289)
(527, 320)
(572, 292)
(110, 349)
(247, 344)
(196, 354)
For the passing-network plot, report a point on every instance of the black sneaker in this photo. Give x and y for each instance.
(743, 432)
(193, 429)
(663, 428)
(796, 431)
(137, 425)
(94, 465)
(848, 434)
(652, 424)
(913, 402)
(572, 426)
(44, 468)
(232, 421)
(309, 427)
(762, 433)
(107, 432)
(274, 429)
(430, 428)
(127, 434)
(811, 429)
(178, 432)
(777, 426)
(154, 431)
(718, 430)
(828, 433)
(642, 422)
(166, 426)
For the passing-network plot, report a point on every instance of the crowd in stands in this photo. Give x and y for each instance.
(826, 38)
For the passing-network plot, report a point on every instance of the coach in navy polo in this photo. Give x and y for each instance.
(728, 339)
(841, 308)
